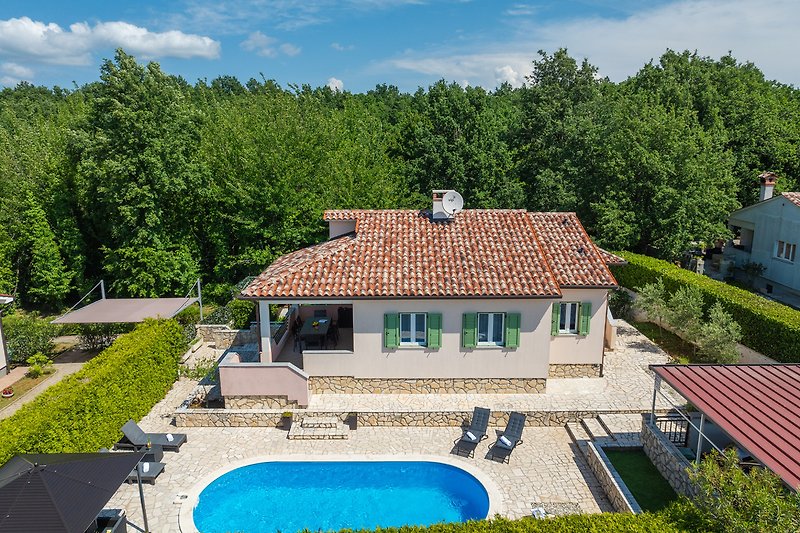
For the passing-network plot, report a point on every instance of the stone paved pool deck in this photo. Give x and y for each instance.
(547, 467)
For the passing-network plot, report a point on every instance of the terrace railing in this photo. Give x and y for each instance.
(675, 428)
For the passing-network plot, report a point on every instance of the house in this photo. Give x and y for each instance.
(768, 233)
(4, 300)
(482, 301)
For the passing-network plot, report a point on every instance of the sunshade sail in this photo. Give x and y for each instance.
(57, 493)
(110, 310)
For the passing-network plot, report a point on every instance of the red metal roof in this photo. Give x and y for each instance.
(758, 406)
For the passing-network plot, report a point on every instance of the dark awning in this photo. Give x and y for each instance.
(60, 492)
(758, 406)
(111, 310)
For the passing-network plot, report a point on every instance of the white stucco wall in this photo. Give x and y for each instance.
(3, 362)
(580, 349)
(340, 227)
(371, 359)
(771, 220)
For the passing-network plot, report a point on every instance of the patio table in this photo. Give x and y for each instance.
(309, 333)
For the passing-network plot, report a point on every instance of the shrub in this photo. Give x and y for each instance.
(99, 336)
(26, 335)
(653, 301)
(768, 327)
(85, 410)
(621, 304)
(718, 336)
(242, 312)
(39, 364)
(685, 312)
(189, 316)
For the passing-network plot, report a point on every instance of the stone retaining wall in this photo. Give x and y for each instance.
(351, 385)
(223, 337)
(667, 459)
(616, 490)
(259, 402)
(574, 371)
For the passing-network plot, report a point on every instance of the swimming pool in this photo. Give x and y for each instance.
(289, 496)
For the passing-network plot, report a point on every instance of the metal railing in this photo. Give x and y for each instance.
(281, 331)
(675, 428)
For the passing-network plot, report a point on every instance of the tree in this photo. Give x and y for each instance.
(652, 302)
(685, 312)
(718, 336)
(732, 500)
(26, 335)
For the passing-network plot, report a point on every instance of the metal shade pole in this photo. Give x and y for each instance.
(141, 496)
(700, 437)
(200, 298)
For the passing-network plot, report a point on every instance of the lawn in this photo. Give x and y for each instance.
(677, 348)
(644, 481)
(21, 387)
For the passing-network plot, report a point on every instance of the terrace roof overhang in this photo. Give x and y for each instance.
(758, 406)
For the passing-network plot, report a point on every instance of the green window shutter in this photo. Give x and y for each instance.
(512, 330)
(585, 318)
(434, 330)
(469, 330)
(556, 319)
(391, 333)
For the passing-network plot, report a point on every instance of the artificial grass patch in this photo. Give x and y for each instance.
(650, 489)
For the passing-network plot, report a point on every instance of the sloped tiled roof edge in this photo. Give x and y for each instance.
(793, 197)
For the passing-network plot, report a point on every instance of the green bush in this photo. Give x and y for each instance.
(26, 335)
(39, 364)
(99, 336)
(237, 314)
(189, 316)
(621, 304)
(767, 327)
(85, 411)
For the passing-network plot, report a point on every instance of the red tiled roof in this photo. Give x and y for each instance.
(793, 197)
(403, 253)
(611, 259)
(757, 405)
(573, 257)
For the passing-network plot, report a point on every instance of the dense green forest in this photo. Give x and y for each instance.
(148, 181)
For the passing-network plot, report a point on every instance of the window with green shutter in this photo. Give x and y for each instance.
(391, 330)
(585, 318)
(512, 329)
(469, 327)
(434, 330)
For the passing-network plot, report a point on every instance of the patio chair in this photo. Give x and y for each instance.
(475, 433)
(509, 439)
(136, 439)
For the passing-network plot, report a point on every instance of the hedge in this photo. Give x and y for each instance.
(768, 327)
(84, 411)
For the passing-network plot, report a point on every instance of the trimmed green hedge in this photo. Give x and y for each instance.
(85, 411)
(767, 327)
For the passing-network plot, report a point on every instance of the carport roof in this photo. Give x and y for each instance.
(756, 405)
(112, 310)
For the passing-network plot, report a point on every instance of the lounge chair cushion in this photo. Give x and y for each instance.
(471, 436)
(505, 441)
(134, 433)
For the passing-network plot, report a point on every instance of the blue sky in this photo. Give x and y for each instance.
(356, 44)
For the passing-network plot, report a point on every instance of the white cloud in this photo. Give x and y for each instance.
(764, 33)
(14, 69)
(290, 49)
(520, 10)
(23, 38)
(507, 74)
(342, 47)
(335, 84)
(261, 44)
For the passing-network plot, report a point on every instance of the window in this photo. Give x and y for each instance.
(491, 329)
(413, 329)
(785, 250)
(568, 318)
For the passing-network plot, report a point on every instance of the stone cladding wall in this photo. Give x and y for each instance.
(351, 385)
(574, 371)
(667, 459)
(259, 402)
(616, 490)
(223, 337)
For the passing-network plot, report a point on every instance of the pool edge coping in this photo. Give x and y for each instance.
(186, 513)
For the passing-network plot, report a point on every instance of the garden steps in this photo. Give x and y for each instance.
(596, 429)
(578, 435)
(319, 428)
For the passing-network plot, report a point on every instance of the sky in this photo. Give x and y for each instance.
(354, 45)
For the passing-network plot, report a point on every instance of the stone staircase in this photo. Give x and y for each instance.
(606, 430)
(318, 428)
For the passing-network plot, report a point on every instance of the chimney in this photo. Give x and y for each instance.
(767, 180)
(438, 209)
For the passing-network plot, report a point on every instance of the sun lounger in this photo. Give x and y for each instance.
(148, 472)
(136, 439)
(510, 438)
(475, 433)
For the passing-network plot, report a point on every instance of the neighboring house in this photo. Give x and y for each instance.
(4, 300)
(484, 301)
(768, 233)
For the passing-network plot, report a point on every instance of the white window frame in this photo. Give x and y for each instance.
(490, 331)
(785, 251)
(569, 309)
(413, 328)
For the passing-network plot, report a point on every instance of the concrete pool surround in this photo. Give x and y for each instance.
(186, 516)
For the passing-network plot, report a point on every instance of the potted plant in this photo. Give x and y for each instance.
(286, 420)
(8, 392)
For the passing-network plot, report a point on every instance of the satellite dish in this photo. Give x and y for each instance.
(452, 203)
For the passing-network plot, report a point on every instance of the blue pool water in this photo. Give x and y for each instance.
(291, 496)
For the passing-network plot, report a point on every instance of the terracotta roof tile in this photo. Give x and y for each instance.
(793, 197)
(571, 254)
(611, 259)
(402, 253)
